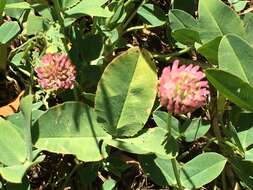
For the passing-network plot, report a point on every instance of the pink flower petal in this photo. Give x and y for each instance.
(181, 88)
(56, 71)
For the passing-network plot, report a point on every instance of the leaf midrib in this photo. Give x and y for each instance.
(238, 61)
(125, 96)
(206, 170)
(213, 18)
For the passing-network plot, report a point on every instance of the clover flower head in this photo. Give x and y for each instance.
(182, 88)
(56, 71)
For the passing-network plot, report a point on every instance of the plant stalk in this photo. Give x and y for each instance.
(216, 110)
(59, 13)
(3, 52)
(131, 16)
(26, 104)
(28, 139)
(3, 57)
(141, 27)
(176, 173)
(167, 57)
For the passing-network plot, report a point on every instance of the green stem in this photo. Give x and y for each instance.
(58, 12)
(132, 15)
(3, 57)
(214, 139)
(220, 106)
(216, 109)
(26, 104)
(167, 57)
(61, 22)
(215, 115)
(176, 173)
(120, 2)
(172, 4)
(31, 40)
(202, 64)
(26, 109)
(130, 29)
(3, 53)
(128, 3)
(223, 179)
(28, 139)
(184, 154)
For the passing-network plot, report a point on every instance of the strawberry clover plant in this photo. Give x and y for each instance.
(127, 94)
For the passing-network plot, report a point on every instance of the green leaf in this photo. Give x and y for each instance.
(8, 31)
(202, 169)
(163, 119)
(45, 11)
(160, 170)
(15, 173)
(152, 14)
(91, 8)
(210, 50)
(68, 3)
(166, 121)
(12, 151)
(231, 131)
(2, 5)
(238, 5)
(70, 128)
(180, 20)
(232, 87)
(19, 122)
(186, 36)
(118, 16)
(18, 5)
(15, 12)
(153, 141)
(184, 27)
(246, 138)
(54, 38)
(249, 155)
(243, 169)
(235, 56)
(109, 184)
(35, 24)
(248, 25)
(127, 82)
(241, 119)
(195, 130)
(217, 19)
(18, 58)
(112, 35)
(18, 186)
